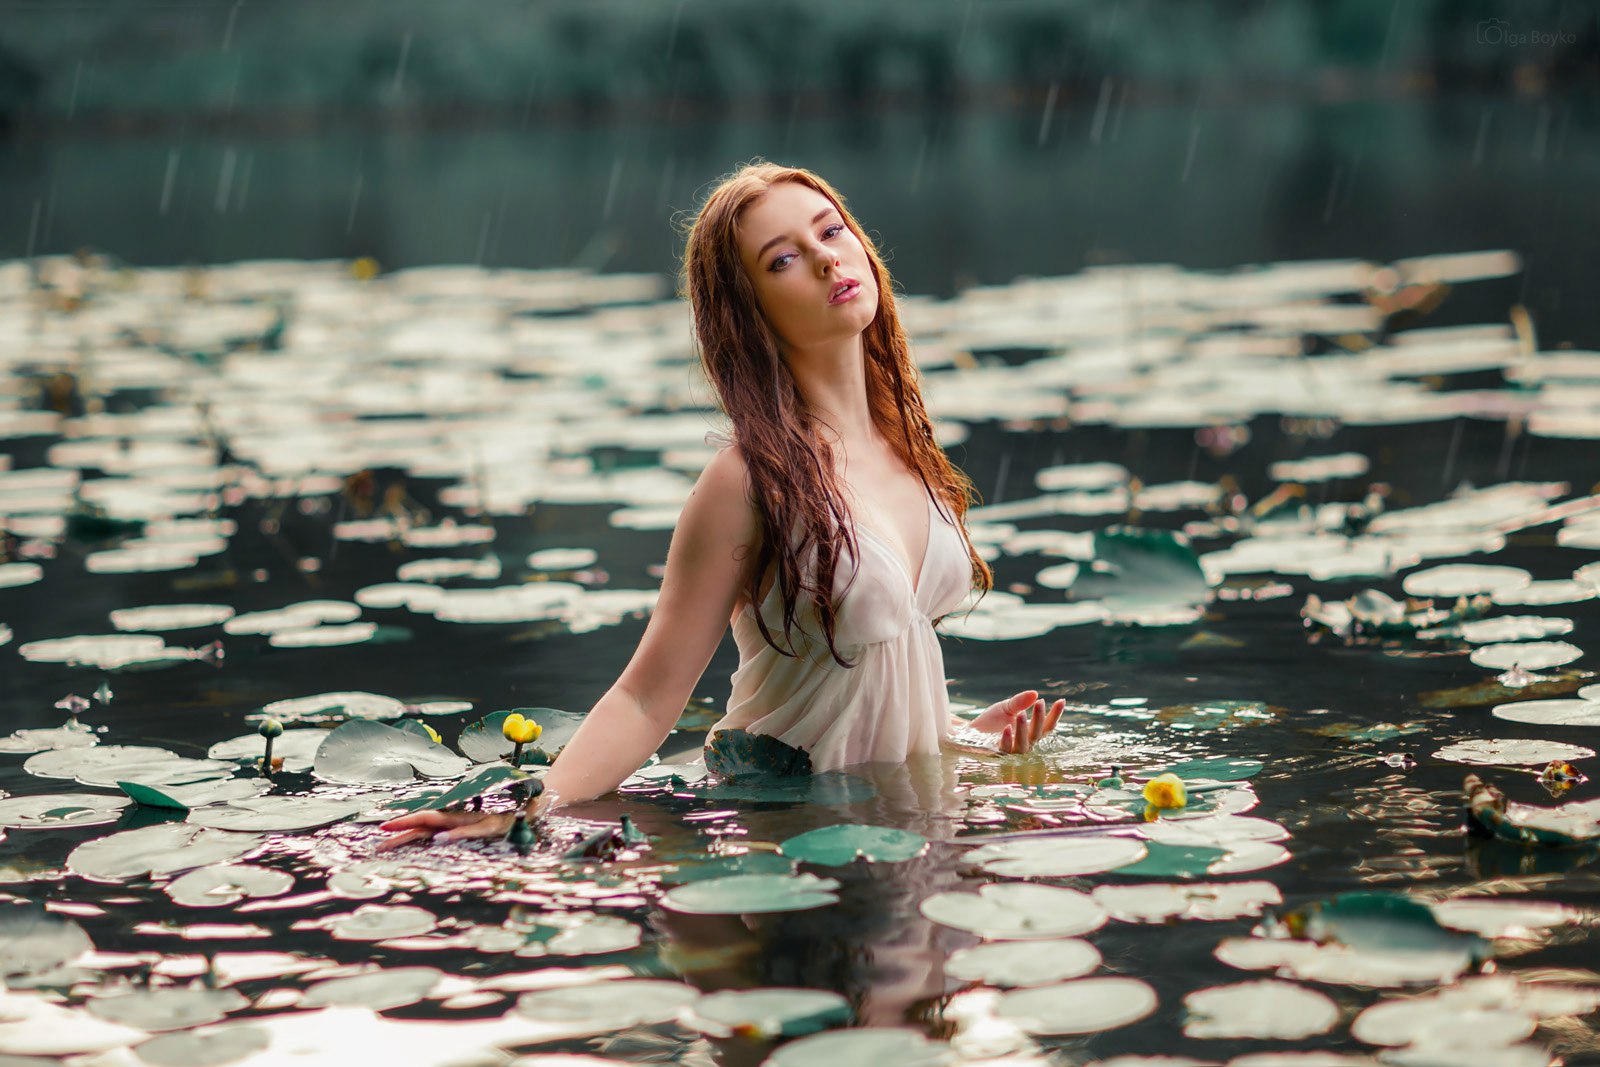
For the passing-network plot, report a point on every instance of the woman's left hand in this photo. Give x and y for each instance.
(1020, 720)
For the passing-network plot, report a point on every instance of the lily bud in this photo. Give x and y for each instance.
(519, 730)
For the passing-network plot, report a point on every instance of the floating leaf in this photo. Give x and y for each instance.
(1023, 963)
(734, 754)
(167, 1009)
(379, 922)
(105, 765)
(362, 752)
(1145, 577)
(277, 814)
(610, 1005)
(1219, 769)
(33, 941)
(865, 1046)
(1464, 579)
(764, 1014)
(1513, 751)
(838, 846)
(1502, 916)
(1056, 857)
(1083, 1006)
(1174, 861)
(331, 707)
(73, 735)
(1577, 823)
(212, 887)
(53, 810)
(1017, 912)
(393, 987)
(1160, 903)
(749, 894)
(297, 748)
(476, 784)
(166, 848)
(185, 797)
(1551, 712)
(212, 1049)
(1525, 655)
(485, 739)
(1264, 1010)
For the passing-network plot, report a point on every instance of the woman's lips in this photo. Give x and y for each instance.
(848, 292)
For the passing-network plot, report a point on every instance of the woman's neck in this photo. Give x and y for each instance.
(833, 383)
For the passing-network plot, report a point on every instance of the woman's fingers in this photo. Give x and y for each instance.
(493, 827)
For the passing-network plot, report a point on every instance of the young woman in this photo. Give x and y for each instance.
(798, 333)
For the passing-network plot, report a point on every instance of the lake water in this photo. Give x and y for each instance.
(566, 404)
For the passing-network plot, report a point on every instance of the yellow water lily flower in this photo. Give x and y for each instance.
(519, 730)
(434, 734)
(1166, 791)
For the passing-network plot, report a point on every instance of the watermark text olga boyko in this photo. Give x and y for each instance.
(1499, 31)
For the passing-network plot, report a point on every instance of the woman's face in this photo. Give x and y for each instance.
(796, 251)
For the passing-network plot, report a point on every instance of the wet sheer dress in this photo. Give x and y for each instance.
(893, 703)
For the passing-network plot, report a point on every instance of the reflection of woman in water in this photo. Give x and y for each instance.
(798, 332)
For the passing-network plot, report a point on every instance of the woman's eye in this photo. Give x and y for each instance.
(828, 234)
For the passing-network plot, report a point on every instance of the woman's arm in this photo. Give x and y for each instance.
(708, 563)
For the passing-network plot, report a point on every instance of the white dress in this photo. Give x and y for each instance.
(893, 702)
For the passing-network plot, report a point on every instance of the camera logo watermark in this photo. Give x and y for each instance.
(1499, 32)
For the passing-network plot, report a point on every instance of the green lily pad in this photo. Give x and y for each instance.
(751, 894)
(227, 884)
(1084, 1006)
(166, 848)
(836, 846)
(1057, 857)
(1381, 922)
(192, 1049)
(277, 814)
(1220, 769)
(379, 922)
(33, 941)
(610, 1005)
(1016, 911)
(362, 752)
(476, 784)
(297, 748)
(1144, 577)
(734, 754)
(864, 1046)
(1024, 963)
(769, 1013)
(393, 987)
(185, 797)
(51, 810)
(484, 741)
(167, 1009)
(701, 868)
(1173, 861)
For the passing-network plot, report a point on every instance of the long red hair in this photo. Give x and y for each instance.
(790, 466)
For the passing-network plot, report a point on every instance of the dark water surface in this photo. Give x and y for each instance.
(955, 200)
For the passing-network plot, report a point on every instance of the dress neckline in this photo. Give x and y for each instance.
(927, 546)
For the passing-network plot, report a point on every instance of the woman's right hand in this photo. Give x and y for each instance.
(444, 826)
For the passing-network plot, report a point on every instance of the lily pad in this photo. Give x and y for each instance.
(1161, 903)
(1218, 769)
(610, 1005)
(1577, 823)
(484, 741)
(332, 707)
(764, 1014)
(1016, 964)
(362, 752)
(1057, 857)
(476, 784)
(105, 765)
(33, 941)
(212, 1049)
(1017, 912)
(1551, 712)
(1145, 577)
(379, 922)
(749, 894)
(277, 814)
(297, 748)
(185, 797)
(1512, 751)
(1266, 1010)
(393, 987)
(1174, 861)
(1464, 579)
(865, 1046)
(69, 736)
(1083, 1006)
(1525, 655)
(166, 848)
(838, 846)
(733, 754)
(167, 1009)
(227, 884)
(54, 810)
